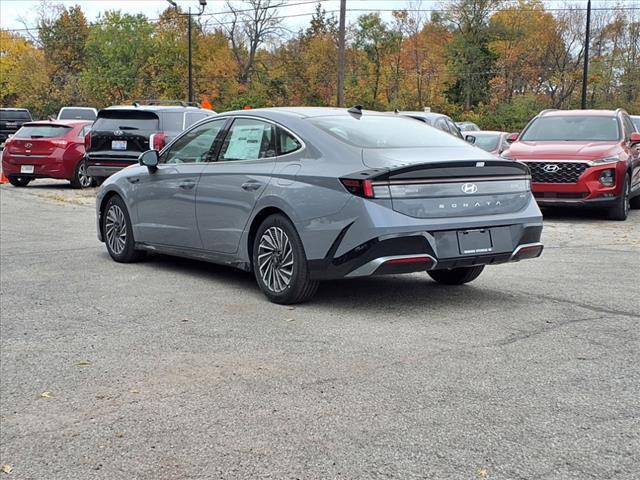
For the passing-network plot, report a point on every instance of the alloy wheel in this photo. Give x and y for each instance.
(115, 227)
(275, 259)
(83, 178)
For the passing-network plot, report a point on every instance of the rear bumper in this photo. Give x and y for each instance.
(577, 203)
(424, 250)
(51, 168)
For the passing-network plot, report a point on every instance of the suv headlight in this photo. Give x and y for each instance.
(600, 161)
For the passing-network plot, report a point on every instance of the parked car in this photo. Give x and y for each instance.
(468, 127)
(584, 158)
(47, 149)
(300, 195)
(636, 122)
(77, 113)
(438, 120)
(121, 133)
(489, 141)
(11, 120)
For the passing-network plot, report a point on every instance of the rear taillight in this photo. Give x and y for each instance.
(87, 141)
(362, 188)
(59, 143)
(157, 141)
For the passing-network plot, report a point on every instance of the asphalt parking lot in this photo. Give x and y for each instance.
(174, 369)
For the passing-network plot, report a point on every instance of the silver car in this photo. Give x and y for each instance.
(300, 195)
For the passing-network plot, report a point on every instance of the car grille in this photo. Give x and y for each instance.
(556, 172)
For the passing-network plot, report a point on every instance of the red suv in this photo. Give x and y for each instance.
(47, 149)
(586, 158)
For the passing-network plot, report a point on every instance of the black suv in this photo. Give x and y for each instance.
(121, 133)
(11, 120)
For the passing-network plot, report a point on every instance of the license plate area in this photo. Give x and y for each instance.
(118, 145)
(475, 242)
(26, 169)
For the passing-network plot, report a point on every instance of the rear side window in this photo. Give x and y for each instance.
(13, 115)
(76, 114)
(287, 143)
(172, 121)
(42, 131)
(248, 140)
(636, 122)
(195, 118)
(126, 120)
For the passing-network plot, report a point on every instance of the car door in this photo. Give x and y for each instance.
(230, 187)
(633, 151)
(166, 197)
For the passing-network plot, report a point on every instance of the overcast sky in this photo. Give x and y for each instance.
(299, 11)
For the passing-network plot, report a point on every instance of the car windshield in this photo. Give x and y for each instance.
(487, 142)
(42, 131)
(636, 122)
(572, 128)
(126, 120)
(77, 114)
(378, 131)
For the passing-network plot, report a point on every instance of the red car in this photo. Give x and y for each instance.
(47, 149)
(585, 158)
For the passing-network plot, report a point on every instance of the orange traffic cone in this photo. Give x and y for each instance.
(3, 178)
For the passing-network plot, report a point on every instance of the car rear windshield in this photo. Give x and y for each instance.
(572, 128)
(42, 131)
(378, 131)
(487, 142)
(126, 120)
(14, 115)
(77, 114)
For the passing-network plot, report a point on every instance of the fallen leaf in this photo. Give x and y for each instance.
(483, 472)
(45, 394)
(84, 362)
(134, 391)
(289, 320)
(291, 308)
(6, 469)
(119, 434)
(185, 319)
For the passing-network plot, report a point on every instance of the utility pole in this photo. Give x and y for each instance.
(585, 69)
(341, 34)
(203, 4)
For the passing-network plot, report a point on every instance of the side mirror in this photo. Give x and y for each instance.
(150, 159)
(470, 138)
(512, 137)
(634, 139)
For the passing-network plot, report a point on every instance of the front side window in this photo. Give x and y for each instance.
(636, 122)
(454, 129)
(248, 139)
(572, 128)
(195, 146)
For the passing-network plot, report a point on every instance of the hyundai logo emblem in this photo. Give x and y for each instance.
(551, 168)
(28, 145)
(117, 133)
(469, 188)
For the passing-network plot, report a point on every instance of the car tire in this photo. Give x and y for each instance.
(280, 264)
(456, 276)
(80, 178)
(19, 181)
(634, 203)
(620, 210)
(117, 232)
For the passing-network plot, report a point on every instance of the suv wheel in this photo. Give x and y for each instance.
(280, 264)
(117, 232)
(621, 209)
(81, 179)
(19, 181)
(457, 276)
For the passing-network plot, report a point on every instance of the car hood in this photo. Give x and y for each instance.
(398, 157)
(561, 150)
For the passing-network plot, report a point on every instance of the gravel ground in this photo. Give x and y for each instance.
(174, 369)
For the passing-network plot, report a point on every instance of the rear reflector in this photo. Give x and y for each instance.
(397, 261)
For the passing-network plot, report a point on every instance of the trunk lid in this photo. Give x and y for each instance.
(35, 141)
(122, 134)
(448, 186)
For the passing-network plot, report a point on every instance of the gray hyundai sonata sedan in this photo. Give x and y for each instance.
(301, 195)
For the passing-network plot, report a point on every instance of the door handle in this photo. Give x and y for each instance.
(187, 184)
(251, 185)
(133, 179)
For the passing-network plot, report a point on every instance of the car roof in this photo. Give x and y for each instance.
(66, 123)
(15, 109)
(78, 108)
(430, 115)
(301, 112)
(580, 113)
(488, 132)
(159, 108)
